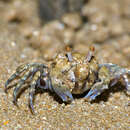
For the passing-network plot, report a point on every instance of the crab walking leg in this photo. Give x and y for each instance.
(21, 82)
(32, 89)
(127, 84)
(117, 72)
(19, 70)
(100, 86)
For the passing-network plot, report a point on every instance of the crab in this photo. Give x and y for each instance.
(69, 73)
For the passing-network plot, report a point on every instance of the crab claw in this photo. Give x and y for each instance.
(64, 94)
(93, 93)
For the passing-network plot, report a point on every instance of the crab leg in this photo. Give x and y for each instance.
(32, 89)
(21, 69)
(117, 72)
(21, 82)
(127, 84)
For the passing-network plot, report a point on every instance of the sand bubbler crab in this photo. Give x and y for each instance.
(69, 73)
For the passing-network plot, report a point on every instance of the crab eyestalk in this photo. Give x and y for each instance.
(90, 54)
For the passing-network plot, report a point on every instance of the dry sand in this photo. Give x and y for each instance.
(23, 39)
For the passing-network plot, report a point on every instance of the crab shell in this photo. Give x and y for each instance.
(76, 75)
